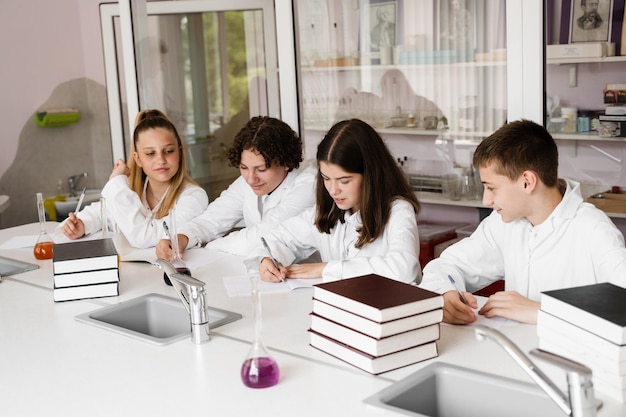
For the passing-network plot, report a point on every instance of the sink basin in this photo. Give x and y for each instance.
(446, 390)
(153, 318)
(63, 208)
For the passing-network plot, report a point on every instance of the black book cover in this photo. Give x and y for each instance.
(604, 300)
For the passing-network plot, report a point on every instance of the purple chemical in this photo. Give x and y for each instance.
(260, 372)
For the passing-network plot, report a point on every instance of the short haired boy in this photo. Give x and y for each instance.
(540, 236)
(270, 189)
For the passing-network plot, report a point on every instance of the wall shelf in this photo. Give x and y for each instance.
(437, 198)
(586, 137)
(559, 61)
(372, 67)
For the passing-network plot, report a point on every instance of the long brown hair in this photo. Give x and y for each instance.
(154, 119)
(357, 148)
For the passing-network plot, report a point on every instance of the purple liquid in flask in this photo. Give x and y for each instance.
(260, 372)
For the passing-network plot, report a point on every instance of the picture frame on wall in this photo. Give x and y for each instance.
(382, 18)
(590, 20)
(456, 25)
(380, 29)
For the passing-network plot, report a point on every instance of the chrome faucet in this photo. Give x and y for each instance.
(72, 181)
(191, 293)
(581, 401)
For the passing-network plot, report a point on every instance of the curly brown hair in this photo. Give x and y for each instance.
(272, 138)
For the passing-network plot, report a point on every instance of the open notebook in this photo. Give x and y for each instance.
(240, 285)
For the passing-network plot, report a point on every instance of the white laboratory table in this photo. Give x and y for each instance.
(53, 365)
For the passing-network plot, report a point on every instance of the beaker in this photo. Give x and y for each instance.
(44, 245)
(259, 370)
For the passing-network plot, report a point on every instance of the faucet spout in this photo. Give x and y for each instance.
(72, 182)
(193, 296)
(581, 401)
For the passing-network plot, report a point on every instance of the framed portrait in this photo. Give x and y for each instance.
(381, 23)
(456, 25)
(590, 20)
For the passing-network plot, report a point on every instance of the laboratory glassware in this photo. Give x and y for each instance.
(259, 370)
(44, 245)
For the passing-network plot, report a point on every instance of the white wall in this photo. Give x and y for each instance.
(42, 44)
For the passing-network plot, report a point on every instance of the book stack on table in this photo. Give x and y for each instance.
(374, 323)
(85, 269)
(587, 324)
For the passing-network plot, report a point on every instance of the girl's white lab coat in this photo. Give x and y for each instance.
(395, 254)
(133, 216)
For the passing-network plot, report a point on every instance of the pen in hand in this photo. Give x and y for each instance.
(173, 242)
(458, 290)
(80, 199)
(269, 252)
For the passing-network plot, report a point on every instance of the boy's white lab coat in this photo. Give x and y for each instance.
(395, 254)
(260, 215)
(576, 245)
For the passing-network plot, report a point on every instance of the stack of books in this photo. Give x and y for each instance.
(587, 324)
(374, 323)
(85, 269)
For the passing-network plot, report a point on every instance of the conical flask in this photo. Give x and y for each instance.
(259, 370)
(43, 247)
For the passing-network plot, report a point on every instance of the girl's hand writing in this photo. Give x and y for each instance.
(313, 270)
(73, 227)
(269, 273)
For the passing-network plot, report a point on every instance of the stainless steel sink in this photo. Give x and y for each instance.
(446, 390)
(153, 318)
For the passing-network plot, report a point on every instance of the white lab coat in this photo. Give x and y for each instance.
(132, 215)
(576, 245)
(239, 203)
(395, 254)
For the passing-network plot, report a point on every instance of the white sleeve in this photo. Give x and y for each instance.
(398, 260)
(297, 199)
(125, 208)
(219, 217)
(474, 262)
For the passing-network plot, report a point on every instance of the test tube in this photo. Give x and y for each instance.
(174, 236)
(104, 221)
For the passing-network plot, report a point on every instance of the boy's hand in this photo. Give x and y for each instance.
(511, 305)
(457, 312)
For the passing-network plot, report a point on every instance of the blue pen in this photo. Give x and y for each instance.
(458, 290)
(80, 200)
(269, 252)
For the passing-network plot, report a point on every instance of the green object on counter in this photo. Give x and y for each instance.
(57, 117)
(50, 208)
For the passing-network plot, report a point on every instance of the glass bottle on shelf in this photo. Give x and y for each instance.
(259, 370)
(44, 245)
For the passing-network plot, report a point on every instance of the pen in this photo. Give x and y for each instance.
(269, 252)
(80, 200)
(458, 290)
(173, 242)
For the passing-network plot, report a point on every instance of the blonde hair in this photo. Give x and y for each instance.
(154, 119)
